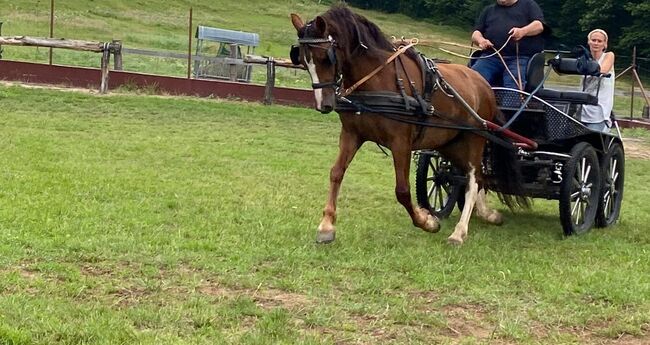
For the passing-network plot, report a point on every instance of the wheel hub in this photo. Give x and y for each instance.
(585, 192)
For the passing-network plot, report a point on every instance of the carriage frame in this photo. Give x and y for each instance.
(581, 168)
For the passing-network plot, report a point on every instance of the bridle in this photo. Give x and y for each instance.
(331, 56)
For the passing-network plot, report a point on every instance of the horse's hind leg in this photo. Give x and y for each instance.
(349, 144)
(420, 217)
(486, 213)
(471, 193)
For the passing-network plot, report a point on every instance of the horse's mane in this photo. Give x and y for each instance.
(352, 30)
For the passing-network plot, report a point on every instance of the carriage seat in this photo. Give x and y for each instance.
(535, 76)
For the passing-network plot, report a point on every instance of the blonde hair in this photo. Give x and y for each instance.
(600, 31)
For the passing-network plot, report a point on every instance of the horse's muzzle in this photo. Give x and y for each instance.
(326, 109)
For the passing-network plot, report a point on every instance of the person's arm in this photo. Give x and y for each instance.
(534, 28)
(479, 40)
(608, 62)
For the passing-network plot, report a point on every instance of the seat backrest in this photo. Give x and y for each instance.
(474, 57)
(534, 72)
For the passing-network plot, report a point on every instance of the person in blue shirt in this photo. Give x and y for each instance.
(521, 19)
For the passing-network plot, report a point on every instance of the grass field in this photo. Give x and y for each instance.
(132, 219)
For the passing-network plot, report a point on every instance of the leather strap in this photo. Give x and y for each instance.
(399, 52)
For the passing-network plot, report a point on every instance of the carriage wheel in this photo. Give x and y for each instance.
(611, 196)
(580, 190)
(438, 185)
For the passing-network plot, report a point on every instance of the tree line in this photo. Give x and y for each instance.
(569, 20)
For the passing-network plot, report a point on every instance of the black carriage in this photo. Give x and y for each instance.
(581, 168)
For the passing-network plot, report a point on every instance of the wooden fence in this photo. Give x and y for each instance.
(99, 47)
(270, 62)
(116, 49)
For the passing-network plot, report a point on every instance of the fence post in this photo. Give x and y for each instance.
(117, 55)
(233, 67)
(106, 58)
(632, 93)
(0, 35)
(270, 81)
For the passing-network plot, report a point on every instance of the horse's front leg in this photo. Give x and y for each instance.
(420, 217)
(471, 194)
(349, 144)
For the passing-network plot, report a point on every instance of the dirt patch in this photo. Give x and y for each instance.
(467, 320)
(264, 298)
(636, 148)
(95, 271)
(125, 297)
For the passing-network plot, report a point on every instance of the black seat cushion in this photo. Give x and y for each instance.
(567, 96)
(579, 97)
(548, 94)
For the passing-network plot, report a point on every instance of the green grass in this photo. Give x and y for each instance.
(151, 220)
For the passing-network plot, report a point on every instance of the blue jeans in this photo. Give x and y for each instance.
(493, 70)
(598, 126)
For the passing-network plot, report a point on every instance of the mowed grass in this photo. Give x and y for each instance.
(150, 220)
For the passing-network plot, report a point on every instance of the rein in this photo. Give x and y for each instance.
(497, 52)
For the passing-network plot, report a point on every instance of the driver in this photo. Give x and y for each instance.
(523, 20)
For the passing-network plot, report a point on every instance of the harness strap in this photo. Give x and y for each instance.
(402, 91)
(429, 76)
(423, 105)
(397, 53)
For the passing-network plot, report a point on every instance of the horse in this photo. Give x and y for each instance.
(342, 48)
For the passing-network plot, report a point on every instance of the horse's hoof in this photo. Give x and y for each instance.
(495, 218)
(432, 224)
(456, 241)
(325, 237)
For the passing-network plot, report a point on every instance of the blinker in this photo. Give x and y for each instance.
(331, 55)
(294, 53)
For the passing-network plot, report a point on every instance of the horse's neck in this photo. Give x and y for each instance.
(360, 67)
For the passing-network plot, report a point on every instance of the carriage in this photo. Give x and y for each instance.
(388, 93)
(581, 168)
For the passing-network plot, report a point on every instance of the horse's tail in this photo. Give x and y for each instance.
(507, 171)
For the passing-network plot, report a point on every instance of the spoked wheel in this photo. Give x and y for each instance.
(580, 190)
(613, 171)
(438, 184)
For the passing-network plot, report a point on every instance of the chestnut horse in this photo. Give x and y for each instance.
(339, 48)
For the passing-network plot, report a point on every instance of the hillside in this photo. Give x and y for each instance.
(163, 25)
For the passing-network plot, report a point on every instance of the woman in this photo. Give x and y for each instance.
(597, 117)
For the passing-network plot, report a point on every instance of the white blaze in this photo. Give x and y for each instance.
(318, 93)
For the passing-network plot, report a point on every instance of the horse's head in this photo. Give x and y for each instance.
(317, 51)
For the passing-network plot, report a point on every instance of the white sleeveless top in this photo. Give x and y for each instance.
(601, 112)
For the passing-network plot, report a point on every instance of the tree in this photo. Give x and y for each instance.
(636, 34)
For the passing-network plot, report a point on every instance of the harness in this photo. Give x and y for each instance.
(398, 103)
(399, 106)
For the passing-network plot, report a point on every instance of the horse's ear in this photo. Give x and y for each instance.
(297, 21)
(321, 25)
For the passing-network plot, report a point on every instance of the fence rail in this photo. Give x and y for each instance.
(105, 48)
(115, 47)
(248, 59)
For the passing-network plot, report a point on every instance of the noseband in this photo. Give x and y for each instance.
(331, 55)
